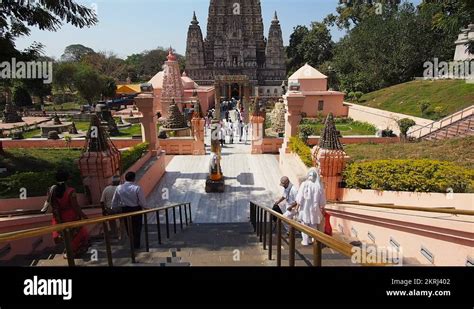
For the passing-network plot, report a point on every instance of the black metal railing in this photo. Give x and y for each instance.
(65, 229)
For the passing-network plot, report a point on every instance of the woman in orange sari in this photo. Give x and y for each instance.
(65, 208)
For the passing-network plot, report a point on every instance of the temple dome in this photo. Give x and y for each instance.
(157, 81)
(307, 72)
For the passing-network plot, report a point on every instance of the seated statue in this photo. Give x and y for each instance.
(215, 171)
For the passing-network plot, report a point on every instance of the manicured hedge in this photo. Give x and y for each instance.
(409, 175)
(300, 148)
(129, 157)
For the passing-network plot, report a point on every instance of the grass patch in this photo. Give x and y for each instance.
(450, 95)
(458, 151)
(347, 127)
(69, 106)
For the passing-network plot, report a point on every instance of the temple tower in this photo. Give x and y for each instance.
(172, 84)
(236, 45)
(195, 47)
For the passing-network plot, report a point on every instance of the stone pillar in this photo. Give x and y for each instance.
(258, 133)
(198, 133)
(146, 105)
(294, 103)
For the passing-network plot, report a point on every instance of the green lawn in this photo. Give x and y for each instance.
(346, 129)
(458, 151)
(452, 95)
(34, 170)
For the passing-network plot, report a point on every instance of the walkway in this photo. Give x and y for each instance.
(247, 177)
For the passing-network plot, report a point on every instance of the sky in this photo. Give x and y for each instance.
(132, 26)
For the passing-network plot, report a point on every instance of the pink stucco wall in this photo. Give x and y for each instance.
(75, 143)
(180, 145)
(449, 238)
(313, 84)
(333, 103)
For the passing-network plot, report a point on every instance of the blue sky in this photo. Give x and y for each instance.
(132, 26)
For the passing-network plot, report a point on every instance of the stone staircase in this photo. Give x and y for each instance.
(460, 128)
(232, 244)
(460, 124)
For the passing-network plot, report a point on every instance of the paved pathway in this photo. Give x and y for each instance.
(247, 177)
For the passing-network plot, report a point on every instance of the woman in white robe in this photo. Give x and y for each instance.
(311, 202)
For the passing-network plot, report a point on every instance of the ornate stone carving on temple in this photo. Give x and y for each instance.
(10, 115)
(175, 118)
(173, 89)
(278, 118)
(235, 44)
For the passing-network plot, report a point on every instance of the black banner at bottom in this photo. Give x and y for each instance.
(145, 285)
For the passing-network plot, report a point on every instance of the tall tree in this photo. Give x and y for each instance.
(313, 46)
(89, 83)
(76, 52)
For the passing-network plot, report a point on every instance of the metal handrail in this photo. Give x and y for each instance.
(440, 122)
(258, 218)
(444, 210)
(66, 227)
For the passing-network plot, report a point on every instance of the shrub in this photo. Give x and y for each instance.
(405, 124)
(129, 157)
(409, 175)
(35, 183)
(302, 150)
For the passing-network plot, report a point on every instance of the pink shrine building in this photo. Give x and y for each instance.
(170, 84)
(318, 100)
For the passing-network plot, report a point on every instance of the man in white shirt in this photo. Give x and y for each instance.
(288, 209)
(131, 198)
(106, 203)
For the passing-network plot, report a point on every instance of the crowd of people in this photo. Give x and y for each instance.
(232, 127)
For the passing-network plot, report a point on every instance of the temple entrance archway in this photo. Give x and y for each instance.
(233, 86)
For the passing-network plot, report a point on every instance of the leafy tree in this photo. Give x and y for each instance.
(76, 52)
(16, 18)
(88, 83)
(295, 57)
(351, 13)
(21, 96)
(107, 64)
(109, 87)
(405, 124)
(38, 88)
(313, 46)
(64, 74)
